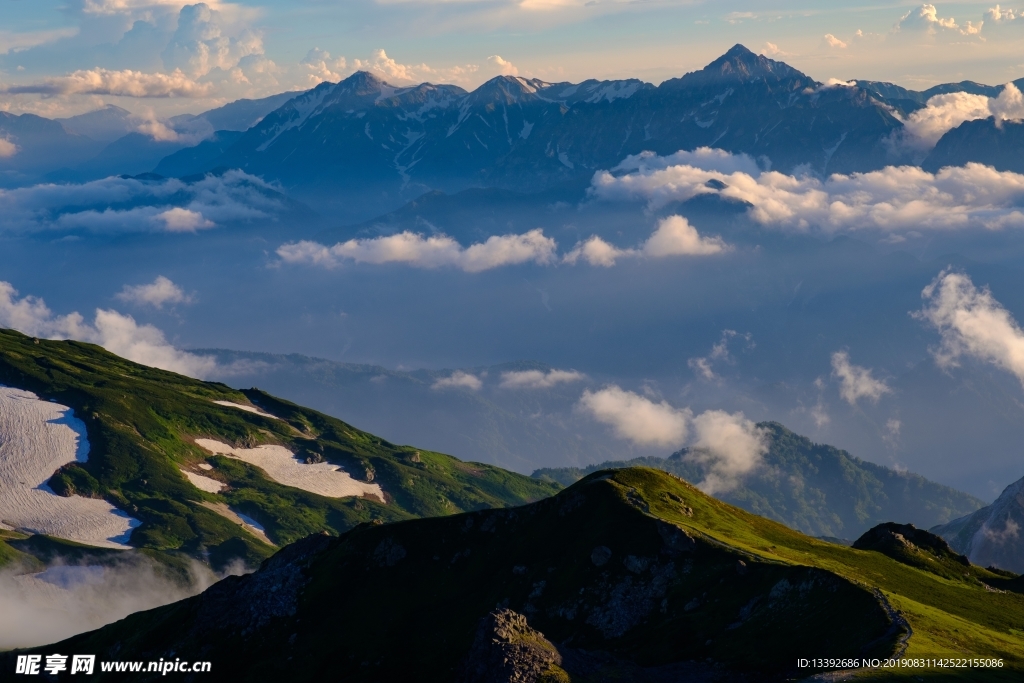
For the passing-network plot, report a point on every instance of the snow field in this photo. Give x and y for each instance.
(282, 466)
(202, 483)
(36, 439)
(249, 409)
(247, 523)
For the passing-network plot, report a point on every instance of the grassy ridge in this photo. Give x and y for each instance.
(815, 488)
(633, 568)
(142, 423)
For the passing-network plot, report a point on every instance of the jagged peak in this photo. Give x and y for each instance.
(511, 88)
(364, 83)
(739, 65)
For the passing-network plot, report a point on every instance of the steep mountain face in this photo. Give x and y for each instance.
(367, 144)
(220, 474)
(983, 141)
(815, 488)
(991, 536)
(196, 160)
(628, 575)
(35, 145)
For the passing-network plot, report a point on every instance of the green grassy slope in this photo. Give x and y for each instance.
(142, 423)
(633, 572)
(817, 489)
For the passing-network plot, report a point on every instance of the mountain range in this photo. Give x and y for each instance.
(362, 145)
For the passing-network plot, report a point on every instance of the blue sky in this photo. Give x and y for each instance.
(165, 57)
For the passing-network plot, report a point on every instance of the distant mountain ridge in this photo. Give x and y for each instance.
(992, 535)
(814, 488)
(366, 142)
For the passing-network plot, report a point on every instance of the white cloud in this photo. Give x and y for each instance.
(704, 366)
(536, 379)
(119, 205)
(923, 128)
(834, 42)
(323, 67)
(895, 198)
(729, 446)
(926, 19)
(674, 236)
(127, 6)
(502, 66)
(636, 418)
(972, 323)
(7, 149)
(200, 44)
(183, 220)
(998, 15)
(115, 332)
(459, 380)
(856, 382)
(159, 292)
(427, 252)
(597, 252)
(125, 83)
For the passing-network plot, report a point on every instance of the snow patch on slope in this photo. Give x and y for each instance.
(202, 483)
(302, 107)
(616, 90)
(282, 466)
(36, 439)
(246, 408)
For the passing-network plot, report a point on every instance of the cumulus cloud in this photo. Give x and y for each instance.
(459, 380)
(7, 148)
(971, 322)
(674, 236)
(183, 220)
(704, 366)
(426, 252)
(636, 418)
(157, 293)
(729, 446)
(118, 333)
(893, 199)
(200, 44)
(537, 379)
(926, 19)
(125, 83)
(834, 42)
(999, 15)
(856, 382)
(923, 128)
(502, 66)
(323, 67)
(124, 205)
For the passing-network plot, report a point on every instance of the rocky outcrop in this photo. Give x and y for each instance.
(507, 650)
